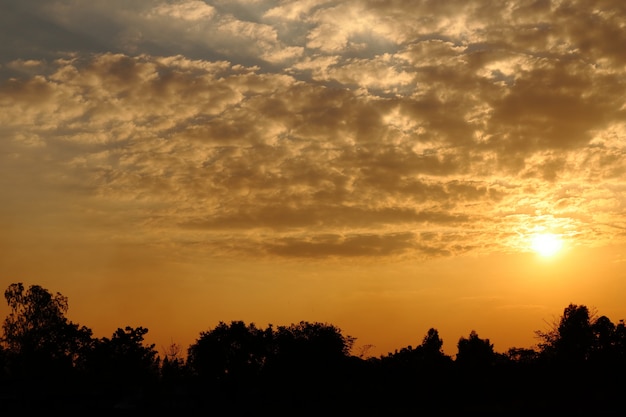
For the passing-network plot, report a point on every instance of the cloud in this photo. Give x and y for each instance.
(295, 9)
(419, 129)
(189, 10)
(343, 246)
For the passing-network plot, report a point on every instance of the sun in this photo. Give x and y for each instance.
(546, 244)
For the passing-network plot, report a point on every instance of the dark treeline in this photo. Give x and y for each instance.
(50, 364)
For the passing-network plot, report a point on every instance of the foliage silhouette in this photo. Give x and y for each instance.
(474, 352)
(173, 369)
(306, 368)
(234, 358)
(428, 356)
(580, 337)
(572, 339)
(309, 360)
(316, 345)
(124, 358)
(42, 349)
(229, 352)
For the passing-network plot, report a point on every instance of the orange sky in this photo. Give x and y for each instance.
(381, 166)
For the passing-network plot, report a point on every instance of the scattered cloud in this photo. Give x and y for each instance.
(319, 128)
(190, 10)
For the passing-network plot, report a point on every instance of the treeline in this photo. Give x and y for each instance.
(50, 363)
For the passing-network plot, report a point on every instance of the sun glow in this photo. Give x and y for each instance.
(546, 244)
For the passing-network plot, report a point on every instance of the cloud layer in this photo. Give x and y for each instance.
(317, 128)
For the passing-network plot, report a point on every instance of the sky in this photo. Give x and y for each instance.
(382, 166)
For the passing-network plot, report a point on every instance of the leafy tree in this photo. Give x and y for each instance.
(312, 342)
(230, 351)
(310, 364)
(523, 356)
(428, 356)
(122, 369)
(124, 358)
(474, 352)
(36, 334)
(419, 372)
(603, 349)
(576, 338)
(571, 339)
(431, 347)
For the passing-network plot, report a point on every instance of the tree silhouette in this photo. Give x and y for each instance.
(426, 357)
(38, 338)
(430, 352)
(619, 341)
(572, 339)
(122, 371)
(474, 352)
(524, 356)
(48, 363)
(603, 350)
(229, 352)
(173, 365)
(432, 343)
(309, 364)
(240, 351)
(312, 342)
(125, 358)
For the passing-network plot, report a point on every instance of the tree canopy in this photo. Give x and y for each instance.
(37, 333)
(47, 359)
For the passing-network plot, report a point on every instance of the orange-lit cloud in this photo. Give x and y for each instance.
(378, 164)
(283, 128)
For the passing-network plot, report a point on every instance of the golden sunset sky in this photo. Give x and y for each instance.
(382, 166)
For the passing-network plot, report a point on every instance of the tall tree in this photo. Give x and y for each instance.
(36, 333)
(572, 339)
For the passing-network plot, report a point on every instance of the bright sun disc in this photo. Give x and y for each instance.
(546, 244)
